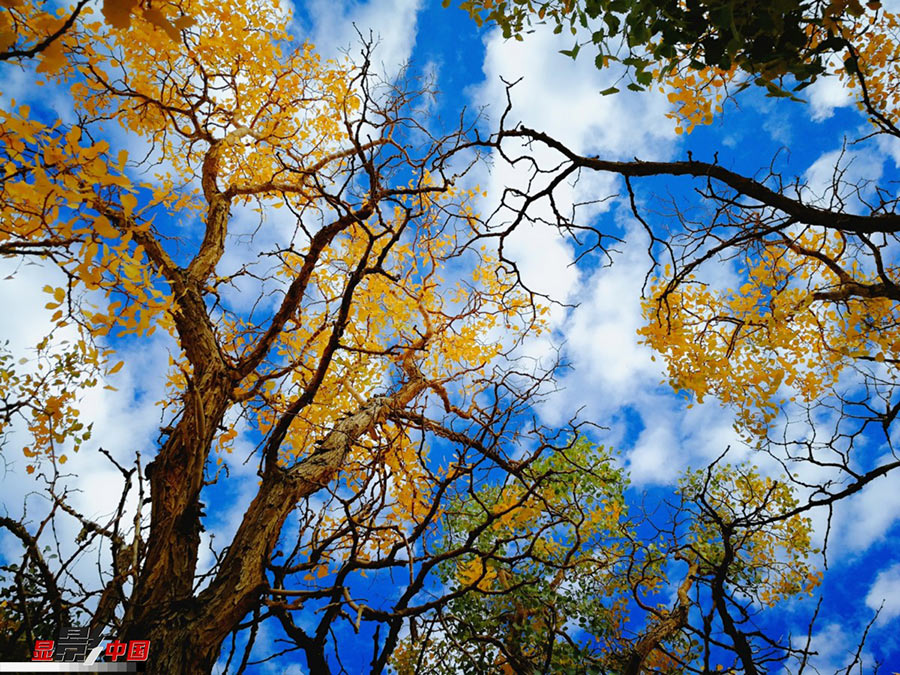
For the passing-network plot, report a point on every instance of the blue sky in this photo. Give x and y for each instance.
(612, 379)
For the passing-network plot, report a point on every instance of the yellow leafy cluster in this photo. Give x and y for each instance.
(236, 80)
(53, 179)
(696, 95)
(876, 40)
(408, 312)
(518, 511)
(27, 23)
(44, 390)
(51, 196)
(66, 193)
(52, 33)
(786, 333)
(771, 560)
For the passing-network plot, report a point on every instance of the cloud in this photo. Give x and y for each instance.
(561, 97)
(124, 421)
(332, 26)
(825, 95)
(885, 593)
(833, 649)
(867, 517)
(613, 379)
(844, 169)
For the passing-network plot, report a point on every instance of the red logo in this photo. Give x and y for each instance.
(43, 650)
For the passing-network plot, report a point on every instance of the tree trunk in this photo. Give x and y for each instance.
(187, 632)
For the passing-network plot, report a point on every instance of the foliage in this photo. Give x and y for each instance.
(745, 527)
(865, 58)
(551, 551)
(31, 27)
(769, 40)
(801, 317)
(297, 238)
(816, 294)
(333, 377)
(45, 396)
(702, 53)
(771, 295)
(557, 579)
(23, 611)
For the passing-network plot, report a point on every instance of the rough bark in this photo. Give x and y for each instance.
(189, 630)
(664, 628)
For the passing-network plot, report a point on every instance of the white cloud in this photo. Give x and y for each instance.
(889, 146)
(560, 97)
(833, 649)
(867, 517)
(885, 593)
(392, 22)
(615, 382)
(612, 377)
(17, 85)
(124, 422)
(844, 170)
(825, 95)
(655, 457)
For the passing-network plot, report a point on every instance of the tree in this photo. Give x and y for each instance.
(588, 567)
(362, 328)
(768, 40)
(803, 346)
(377, 370)
(817, 293)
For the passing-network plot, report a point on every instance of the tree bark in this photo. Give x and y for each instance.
(187, 632)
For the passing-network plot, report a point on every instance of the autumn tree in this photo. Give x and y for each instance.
(301, 240)
(362, 328)
(816, 297)
(803, 345)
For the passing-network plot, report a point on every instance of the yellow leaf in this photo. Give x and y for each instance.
(72, 137)
(7, 38)
(129, 201)
(183, 22)
(118, 12)
(131, 271)
(53, 58)
(104, 228)
(158, 19)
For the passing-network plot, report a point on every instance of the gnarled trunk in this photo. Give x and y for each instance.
(187, 631)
